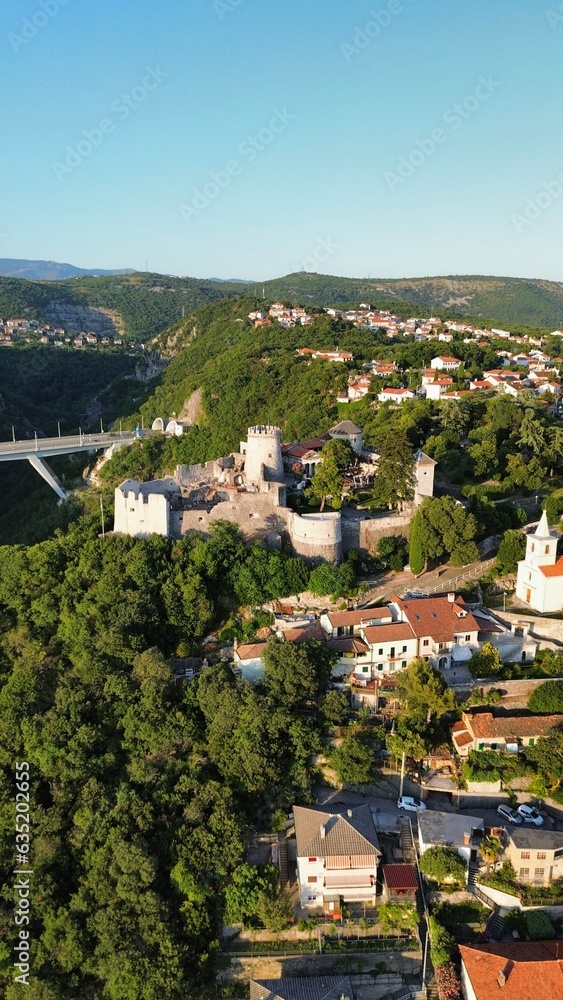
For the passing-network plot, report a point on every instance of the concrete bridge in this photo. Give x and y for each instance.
(36, 450)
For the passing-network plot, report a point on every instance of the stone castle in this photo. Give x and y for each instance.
(248, 488)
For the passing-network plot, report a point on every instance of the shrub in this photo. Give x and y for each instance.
(442, 944)
(539, 926)
(547, 698)
(443, 864)
(447, 981)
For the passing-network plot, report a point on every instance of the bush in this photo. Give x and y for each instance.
(447, 981)
(353, 761)
(547, 698)
(442, 944)
(443, 864)
(539, 926)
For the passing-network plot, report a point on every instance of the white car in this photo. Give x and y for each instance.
(530, 815)
(411, 805)
(510, 815)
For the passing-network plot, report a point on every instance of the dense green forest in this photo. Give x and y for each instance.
(142, 789)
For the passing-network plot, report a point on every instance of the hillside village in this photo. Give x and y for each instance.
(367, 625)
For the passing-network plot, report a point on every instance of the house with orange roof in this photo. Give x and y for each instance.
(515, 970)
(445, 362)
(395, 395)
(482, 730)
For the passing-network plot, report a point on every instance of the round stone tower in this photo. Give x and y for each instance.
(263, 448)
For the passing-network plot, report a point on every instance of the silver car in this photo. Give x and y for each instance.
(510, 815)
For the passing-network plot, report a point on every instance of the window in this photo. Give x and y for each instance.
(533, 547)
(531, 741)
(312, 859)
(404, 649)
(481, 746)
(468, 638)
(380, 652)
(547, 550)
(541, 855)
(312, 878)
(539, 872)
(403, 664)
(425, 642)
(525, 855)
(365, 670)
(524, 873)
(380, 666)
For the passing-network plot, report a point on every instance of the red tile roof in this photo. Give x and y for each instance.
(530, 967)
(341, 619)
(437, 616)
(556, 570)
(484, 725)
(400, 877)
(250, 650)
(387, 633)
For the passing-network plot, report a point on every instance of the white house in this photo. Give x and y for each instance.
(337, 856)
(444, 829)
(395, 395)
(437, 388)
(539, 582)
(445, 363)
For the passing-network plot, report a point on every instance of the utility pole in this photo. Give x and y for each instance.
(402, 775)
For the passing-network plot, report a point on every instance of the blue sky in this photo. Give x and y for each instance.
(252, 138)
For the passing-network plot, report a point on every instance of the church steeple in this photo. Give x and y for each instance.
(542, 530)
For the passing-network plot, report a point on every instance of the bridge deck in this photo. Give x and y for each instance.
(10, 451)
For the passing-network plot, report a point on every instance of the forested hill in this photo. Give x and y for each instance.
(495, 301)
(227, 376)
(145, 305)
(142, 305)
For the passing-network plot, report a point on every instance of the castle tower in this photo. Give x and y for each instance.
(424, 477)
(540, 574)
(263, 455)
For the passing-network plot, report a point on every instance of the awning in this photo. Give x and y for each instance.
(347, 881)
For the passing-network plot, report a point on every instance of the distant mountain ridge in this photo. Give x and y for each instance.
(147, 304)
(50, 270)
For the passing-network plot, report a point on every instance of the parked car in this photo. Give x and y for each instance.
(530, 815)
(510, 815)
(411, 805)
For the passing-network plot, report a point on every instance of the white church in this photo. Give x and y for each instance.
(540, 574)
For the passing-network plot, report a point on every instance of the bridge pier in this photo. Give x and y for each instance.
(47, 473)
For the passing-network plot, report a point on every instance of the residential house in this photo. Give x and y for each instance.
(302, 988)
(445, 363)
(248, 658)
(395, 395)
(516, 970)
(446, 630)
(337, 856)
(481, 730)
(438, 387)
(444, 829)
(536, 854)
(539, 581)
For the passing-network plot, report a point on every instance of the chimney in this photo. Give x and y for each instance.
(466, 838)
(451, 597)
(349, 812)
(323, 831)
(501, 979)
